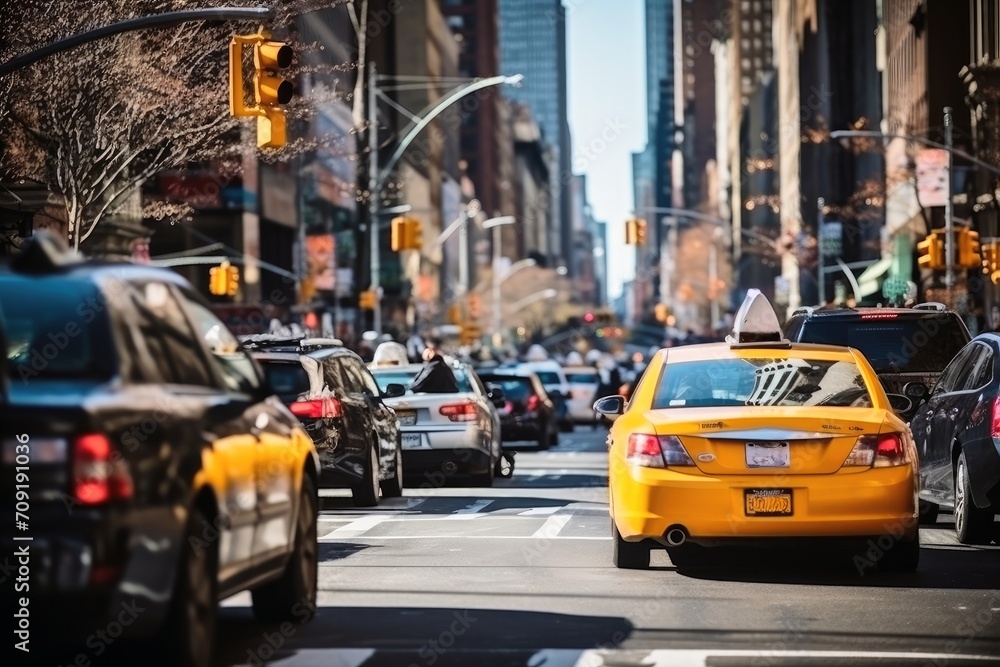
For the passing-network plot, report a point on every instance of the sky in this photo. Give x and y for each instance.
(607, 113)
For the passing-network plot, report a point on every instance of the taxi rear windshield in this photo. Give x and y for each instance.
(791, 382)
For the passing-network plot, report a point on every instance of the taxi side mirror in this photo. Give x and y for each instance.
(610, 407)
(394, 390)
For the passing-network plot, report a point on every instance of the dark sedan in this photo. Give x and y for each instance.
(529, 412)
(957, 432)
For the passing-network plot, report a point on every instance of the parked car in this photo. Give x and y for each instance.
(583, 383)
(342, 408)
(956, 431)
(556, 387)
(528, 412)
(907, 347)
(159, 471)
(456, 433)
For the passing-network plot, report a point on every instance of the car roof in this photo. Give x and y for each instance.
(707, 351)
(97, 271)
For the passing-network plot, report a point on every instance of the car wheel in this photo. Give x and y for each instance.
(293, 596)
(393, 488)
(903, 556)
(189, 633)
(972, 525)
(628, 555)
(928, 513)
(366, 493)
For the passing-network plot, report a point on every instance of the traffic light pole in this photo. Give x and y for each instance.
(373, 203)
(949, 207)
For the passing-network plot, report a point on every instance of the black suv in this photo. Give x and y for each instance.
(338, 401)
(151, 465)
(907, 347)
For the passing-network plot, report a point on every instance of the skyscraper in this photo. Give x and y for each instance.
(533, 43)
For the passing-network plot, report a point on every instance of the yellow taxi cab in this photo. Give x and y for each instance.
(759, 439)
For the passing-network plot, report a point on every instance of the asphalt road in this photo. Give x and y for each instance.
(521, 574)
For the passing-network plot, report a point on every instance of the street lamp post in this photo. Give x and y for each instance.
(377, 178)
(495, 224)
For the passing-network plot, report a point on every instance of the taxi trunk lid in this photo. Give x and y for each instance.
(766, 441)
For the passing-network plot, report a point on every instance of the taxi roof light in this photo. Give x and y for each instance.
(388, 354)
(755, 322)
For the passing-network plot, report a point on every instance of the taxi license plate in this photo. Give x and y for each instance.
(767, 502)
(767, 454)
(406, 417)
(415, 441)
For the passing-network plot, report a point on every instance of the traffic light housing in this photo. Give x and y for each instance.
(470, 333)
(635, 231)
(366, 300)
(661, 312)
(224, 280)
(931, 251)
(270, 89)
(407, 234)
(991, 262)
(969, 249)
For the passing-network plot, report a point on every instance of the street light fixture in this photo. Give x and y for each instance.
(534, 298)
(495, 224)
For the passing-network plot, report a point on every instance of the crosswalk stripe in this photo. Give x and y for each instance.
(550, 529)
(470, 511)
(360, 526)
(540, 511)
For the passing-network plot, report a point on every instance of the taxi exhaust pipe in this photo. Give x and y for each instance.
(676, 536)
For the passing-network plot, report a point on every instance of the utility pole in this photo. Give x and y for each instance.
(949, 207)
(820, 205)
(373, 198)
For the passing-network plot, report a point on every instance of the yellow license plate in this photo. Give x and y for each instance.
(768, 502)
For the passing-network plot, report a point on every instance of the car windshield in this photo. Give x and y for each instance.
(790, 382)
(514, 388)
(911, 345)
(286, 378)
(388, 376)
(548, 377)
(66, 339)
(582, 378)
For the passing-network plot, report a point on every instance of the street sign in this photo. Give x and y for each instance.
(833, 233)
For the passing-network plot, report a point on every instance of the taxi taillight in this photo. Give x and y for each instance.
(652, 451)
(877, 451)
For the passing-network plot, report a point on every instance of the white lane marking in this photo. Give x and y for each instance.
(335, 537)
(550, 529)
(360, 526)
(699, 657)
(321, 657)
(470, 511)
(540, 511)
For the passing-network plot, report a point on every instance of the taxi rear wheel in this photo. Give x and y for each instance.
(972, 525)
(628, 555)
(293, 596)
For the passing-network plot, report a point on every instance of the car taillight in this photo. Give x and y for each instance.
(653, 451)
(100, 475)
(879, 451)
(322, 408)
(533, 402)
(459, 412)
(995, 430)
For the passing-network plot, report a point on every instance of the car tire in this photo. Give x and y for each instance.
(188, 637)
(485, 479)
(628, 555)
(902, 556)
(972, 525)
(393, 488)
(293, 596)
(928, 513)
(366, 493)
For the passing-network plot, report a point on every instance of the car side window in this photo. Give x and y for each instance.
(953, 373)
(352, 374)
(980, 368)
(163, 330)
(234, 366)
(370, 383)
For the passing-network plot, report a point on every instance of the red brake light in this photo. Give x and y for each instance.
(653, 451)
(100, 475)
(323, 408)
(879, 451)
(995, 430)
(532, 403)
(459, 412)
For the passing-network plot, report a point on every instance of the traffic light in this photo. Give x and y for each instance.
(366, 300)
(470, 333)
(407, 234)
(635, 231)
(662, 312)
(969, 248)
(475, 306)
(270, 90)
(454, 315)
(224, 280)
(991, 262)
(931, 251)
